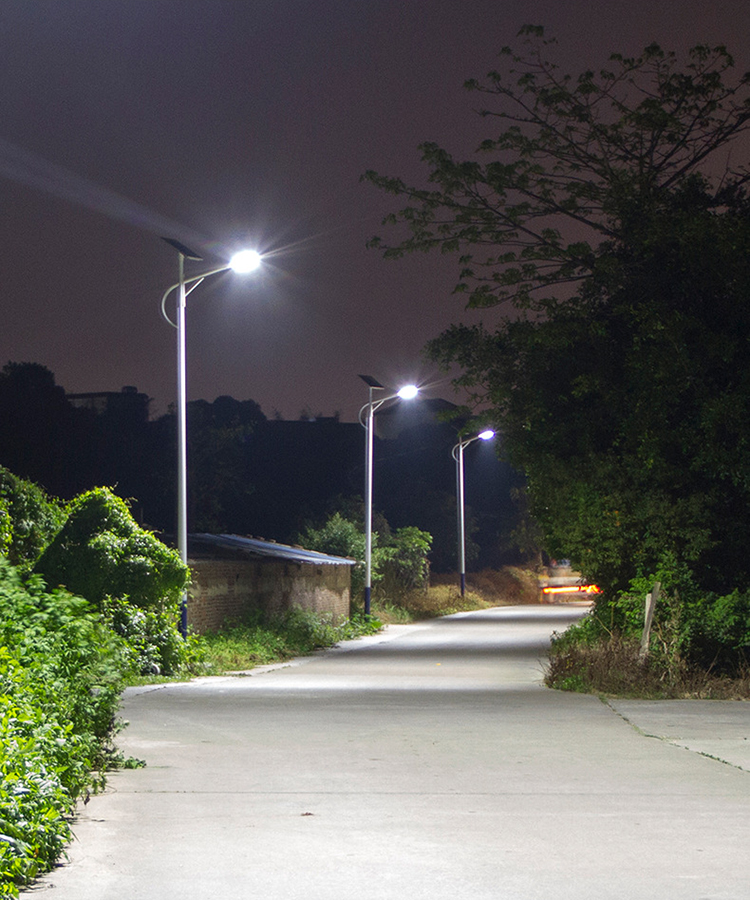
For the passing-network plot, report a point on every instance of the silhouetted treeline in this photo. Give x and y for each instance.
(248, 474)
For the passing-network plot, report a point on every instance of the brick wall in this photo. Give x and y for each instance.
(226, 589)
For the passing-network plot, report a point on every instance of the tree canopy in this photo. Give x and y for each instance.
(576, 164)
(608, 214)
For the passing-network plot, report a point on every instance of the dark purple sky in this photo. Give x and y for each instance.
(250, 122)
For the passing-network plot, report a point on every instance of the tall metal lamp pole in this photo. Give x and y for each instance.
(366, 418)
(458, 455)
(244, 261)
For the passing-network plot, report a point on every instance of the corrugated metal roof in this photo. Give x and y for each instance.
(271, 549)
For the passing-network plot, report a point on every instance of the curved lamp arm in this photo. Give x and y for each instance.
(242, 262)
(194, 281)
(486, 435)
(372, 408)
(408, 392)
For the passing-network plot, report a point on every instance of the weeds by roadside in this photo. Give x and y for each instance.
(440, 600)
(615, 668)
(679, 656)
(485, 589)
(260, 641)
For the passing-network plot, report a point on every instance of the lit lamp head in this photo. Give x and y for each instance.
(245, 261)
(486, 435)
(408, 392)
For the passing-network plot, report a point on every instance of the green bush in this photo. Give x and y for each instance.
(691, 626)
(399, 561)
(101, 552)
(124, 571)
(694, 634)
(155, 644)
(29, 519)
(403, 563)
(339, 536)
(726, 622)
(61, 672)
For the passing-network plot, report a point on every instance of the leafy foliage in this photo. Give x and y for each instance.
(61, 671)
(404, 562)
(101, 552)
(699, 641)
(399, 559)
(339, 536)
(154, 643)
(577, 162)
(602, 211)
(124, 571)
(29, 519)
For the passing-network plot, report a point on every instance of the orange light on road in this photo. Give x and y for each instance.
(573, 589)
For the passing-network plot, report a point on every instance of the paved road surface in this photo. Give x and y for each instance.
(427, 762)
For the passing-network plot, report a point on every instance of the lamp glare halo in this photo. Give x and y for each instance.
(245, 261)
(408, 392)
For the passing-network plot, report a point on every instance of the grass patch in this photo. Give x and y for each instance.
(260, 640)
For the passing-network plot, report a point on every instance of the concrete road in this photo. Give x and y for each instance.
(426, 762)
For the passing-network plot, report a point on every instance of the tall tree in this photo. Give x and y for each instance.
(604, 214)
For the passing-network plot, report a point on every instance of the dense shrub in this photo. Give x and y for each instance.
(61, 672)
(399, 560)
(101, 551)
(694, 634)
(125, 572)
(339, 536)
(29, 519)
(722, 626)
(152, 636)
(403, 562)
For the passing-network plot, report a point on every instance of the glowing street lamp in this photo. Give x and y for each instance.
(366, 419)
(458, 455)
(242, 262)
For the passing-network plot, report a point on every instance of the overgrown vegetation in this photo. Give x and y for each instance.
(698, 645)
(400, 558)
(261, 640)
(101, 552)
(61, 671)
(66, 652)
(29, 519)
(126, 573)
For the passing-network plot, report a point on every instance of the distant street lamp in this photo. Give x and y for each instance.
(458, 455)
(366, 416)
(242, 262)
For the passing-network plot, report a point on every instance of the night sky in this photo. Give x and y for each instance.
(225, 123)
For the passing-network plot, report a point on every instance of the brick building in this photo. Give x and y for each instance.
(233, 576)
